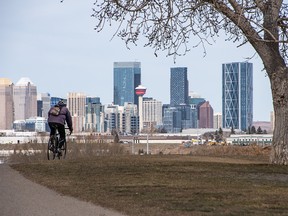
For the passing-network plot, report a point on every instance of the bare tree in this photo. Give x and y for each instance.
(173, 25)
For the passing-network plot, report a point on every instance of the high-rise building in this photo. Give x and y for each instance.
(178, 86)
(25, 99)
(187, 116)
(93, 109)
(172, 120)
(123, 119)
(112, 117)
(39, 106)
(237, 95)
(130, 120)
(127, 76)
(205, 115)
(217, 123)
(76, 103)
(37, 124)
(43, 104)
(195, 100)
(6, 105)
(152, 112)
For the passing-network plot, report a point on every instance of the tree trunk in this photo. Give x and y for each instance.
(279, 86)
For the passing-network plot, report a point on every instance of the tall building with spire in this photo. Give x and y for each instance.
(25, 99)
(6, 105)
(237, 95)
(127, 76)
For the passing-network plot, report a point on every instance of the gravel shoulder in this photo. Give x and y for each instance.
(22, 197)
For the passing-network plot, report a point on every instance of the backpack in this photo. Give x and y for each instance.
(55, 111)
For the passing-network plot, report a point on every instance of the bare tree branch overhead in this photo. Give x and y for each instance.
(177, 26)
(172, 25)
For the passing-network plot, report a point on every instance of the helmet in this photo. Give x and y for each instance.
(61, 103)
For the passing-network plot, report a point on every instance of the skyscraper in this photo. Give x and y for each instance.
(130, 118)
(112, 113)
(152, 112)
(178, 86)
(127, 76)
(43, 104)
(25, 99)
(76, 103)
(237, 95)
(172, 120)
(206, 115)
(195, 101)
(217, 122)
(93, 109)
(6, 105)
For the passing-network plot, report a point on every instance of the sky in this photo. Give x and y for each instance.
(56, 46)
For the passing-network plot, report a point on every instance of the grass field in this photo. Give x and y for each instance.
(207, 181)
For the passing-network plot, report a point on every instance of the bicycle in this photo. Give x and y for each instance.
(53, 144)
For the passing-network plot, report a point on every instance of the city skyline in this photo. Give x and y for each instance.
(55, 45)
(28, 80)
(177, 117)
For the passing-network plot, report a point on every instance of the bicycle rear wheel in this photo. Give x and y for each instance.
(64, 149)
(51, 151)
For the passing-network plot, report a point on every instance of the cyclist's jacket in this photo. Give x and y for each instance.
(64, 116)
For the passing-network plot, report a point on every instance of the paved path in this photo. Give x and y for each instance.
(21, 197)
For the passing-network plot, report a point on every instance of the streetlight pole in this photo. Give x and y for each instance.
(133, 142)
(147, 145)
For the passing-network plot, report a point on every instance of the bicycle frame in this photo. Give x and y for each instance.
(53, 145)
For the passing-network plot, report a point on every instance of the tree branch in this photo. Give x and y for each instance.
(137, 8)
(259, 4)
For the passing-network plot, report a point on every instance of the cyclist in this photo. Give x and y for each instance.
(57, 120)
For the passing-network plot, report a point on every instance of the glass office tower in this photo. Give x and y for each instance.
(93, 109)
(178, 86)
(127, 76)
(237, 95)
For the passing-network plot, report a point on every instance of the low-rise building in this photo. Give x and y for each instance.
(248, 139)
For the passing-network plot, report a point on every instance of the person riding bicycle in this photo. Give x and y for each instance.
(57, 116)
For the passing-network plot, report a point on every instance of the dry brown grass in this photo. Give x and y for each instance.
(31, 152)
(216, 180)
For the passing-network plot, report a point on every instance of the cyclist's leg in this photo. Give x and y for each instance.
(51, 142)
(52, 128)
(61, 130)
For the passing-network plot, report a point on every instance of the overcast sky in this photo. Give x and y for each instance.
(56, 46)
